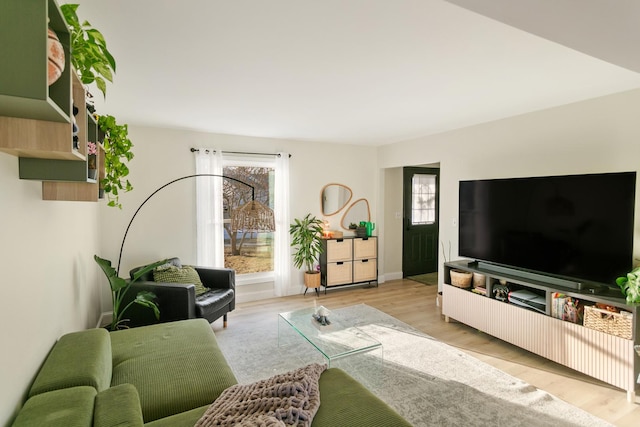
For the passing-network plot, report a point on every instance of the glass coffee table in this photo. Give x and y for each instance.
(334, 341)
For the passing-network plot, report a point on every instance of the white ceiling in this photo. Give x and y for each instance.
(365, 72)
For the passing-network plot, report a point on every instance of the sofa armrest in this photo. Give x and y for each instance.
(176, 301)
(217, 278)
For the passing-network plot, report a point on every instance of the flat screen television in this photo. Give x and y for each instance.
(575, 227)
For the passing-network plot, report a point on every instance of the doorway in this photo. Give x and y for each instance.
(421, 203)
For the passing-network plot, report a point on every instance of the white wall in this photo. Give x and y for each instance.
(49, 279)
(165, 226)
(598, 135)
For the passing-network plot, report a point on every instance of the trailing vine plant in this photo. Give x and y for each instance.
(117, 151)
(89, 54)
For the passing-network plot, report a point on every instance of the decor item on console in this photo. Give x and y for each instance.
(306, 234)
(119, 288)
(630, 285)
(89, 54)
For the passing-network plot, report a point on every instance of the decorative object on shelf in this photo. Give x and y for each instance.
(90, 57)
(255, 218)
(461, 279)
(369, 227)
(618, 323)
(117, 150)
(322, 316)
(119, 288)
(55, 57)
(92, 164)
(306, 234)
(74, 129)
(630, 285)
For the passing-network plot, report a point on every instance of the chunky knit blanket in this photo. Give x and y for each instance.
(289, 399)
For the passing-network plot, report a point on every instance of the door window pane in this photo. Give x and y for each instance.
(423, 199)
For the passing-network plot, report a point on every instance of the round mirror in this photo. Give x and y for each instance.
(358, 211)
(333, 198)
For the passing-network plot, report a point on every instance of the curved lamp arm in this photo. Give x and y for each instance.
(253, 192)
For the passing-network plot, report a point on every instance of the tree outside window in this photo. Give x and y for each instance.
(247, 251)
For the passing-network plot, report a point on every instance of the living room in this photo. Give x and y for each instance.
(48, 247)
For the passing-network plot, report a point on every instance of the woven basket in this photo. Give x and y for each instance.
(461, 279)
(618, 324)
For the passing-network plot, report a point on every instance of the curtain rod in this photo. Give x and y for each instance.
(193, 150)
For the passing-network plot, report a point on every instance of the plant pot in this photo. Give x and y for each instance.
(312, 279)
(92, 173)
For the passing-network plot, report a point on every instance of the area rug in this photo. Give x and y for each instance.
(426, 279)
(426, 381)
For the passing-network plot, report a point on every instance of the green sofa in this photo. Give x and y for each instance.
(163, 375)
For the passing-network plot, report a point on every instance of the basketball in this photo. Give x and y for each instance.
(55, 58)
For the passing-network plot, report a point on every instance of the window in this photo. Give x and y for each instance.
(423, 199)
(246, 251)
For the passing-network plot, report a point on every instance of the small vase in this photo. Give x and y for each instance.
(92, 173)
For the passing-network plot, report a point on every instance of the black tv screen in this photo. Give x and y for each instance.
(577, 227)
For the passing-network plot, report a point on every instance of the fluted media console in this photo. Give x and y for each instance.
(603, 356)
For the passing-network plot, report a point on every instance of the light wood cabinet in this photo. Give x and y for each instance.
(349, 260)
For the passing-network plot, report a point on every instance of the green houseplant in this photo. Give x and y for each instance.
(630, 285)
(306, 236)
(119, 288)
(89, 54)
(117, 151)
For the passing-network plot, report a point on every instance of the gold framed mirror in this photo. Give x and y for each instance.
(334, 197)
(358, 211)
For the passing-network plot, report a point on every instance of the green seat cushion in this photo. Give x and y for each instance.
(118, 406)
(183, 419)
(77, 359)
(69, 407)
(184, 274)
(344, 401)
(175, 366)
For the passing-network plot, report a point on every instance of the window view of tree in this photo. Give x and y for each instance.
(247, 251)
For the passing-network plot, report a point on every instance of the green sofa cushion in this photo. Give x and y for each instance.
(175, 366)
(69, 407)
(184, 274)
(183, 419)
(344, 401)
(118, 406)
(77, 359)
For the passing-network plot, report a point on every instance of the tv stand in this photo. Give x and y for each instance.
(603, 356)
(486, 266)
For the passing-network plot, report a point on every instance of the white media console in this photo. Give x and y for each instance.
(603, 356)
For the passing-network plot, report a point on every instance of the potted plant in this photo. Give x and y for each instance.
(92, 163)
(119, 288)
(630, 285)
(306, 235)
(117, 150)
(89, 54)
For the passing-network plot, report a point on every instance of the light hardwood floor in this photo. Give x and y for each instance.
(415, 304)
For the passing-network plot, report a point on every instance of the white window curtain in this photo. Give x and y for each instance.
(282, 255)
(209, 218)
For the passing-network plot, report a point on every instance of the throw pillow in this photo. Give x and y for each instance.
(184, 274)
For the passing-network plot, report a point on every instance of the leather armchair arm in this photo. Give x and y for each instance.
(217, 278)
(175, 300)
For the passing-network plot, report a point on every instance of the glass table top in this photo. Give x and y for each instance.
(336, 340)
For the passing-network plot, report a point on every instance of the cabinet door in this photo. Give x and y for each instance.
(365, 270)
(365, 248)
(339, 250)
(339, 273)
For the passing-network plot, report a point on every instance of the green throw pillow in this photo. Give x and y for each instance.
(184, 274)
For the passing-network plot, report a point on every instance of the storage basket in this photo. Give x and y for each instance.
(461, 279)
(618, 324)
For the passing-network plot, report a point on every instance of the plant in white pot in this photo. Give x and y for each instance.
(306, 237)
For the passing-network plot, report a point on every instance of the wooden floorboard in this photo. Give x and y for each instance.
(415, 304)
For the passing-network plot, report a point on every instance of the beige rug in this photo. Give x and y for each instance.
(428, 382)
